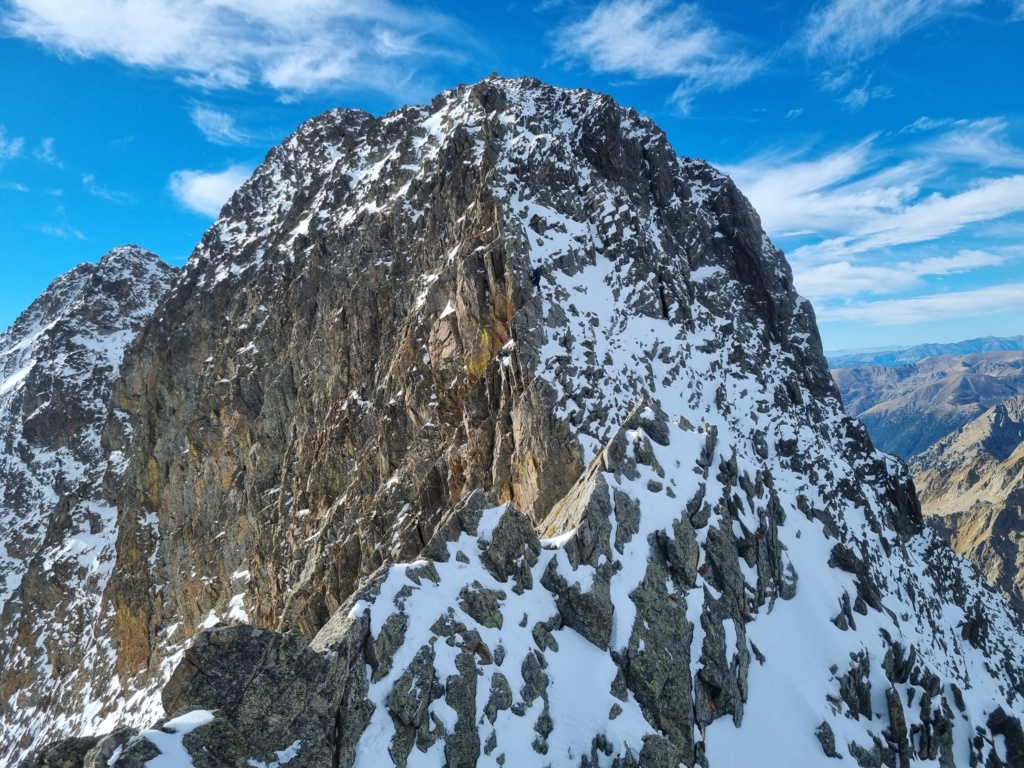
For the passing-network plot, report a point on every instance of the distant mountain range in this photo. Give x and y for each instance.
(888, 357)
(908, 407)
(971, 485)
(959, 422)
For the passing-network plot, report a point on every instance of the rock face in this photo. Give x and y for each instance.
(909, 407)
(424, 513)
(57, 365)
(971, 484)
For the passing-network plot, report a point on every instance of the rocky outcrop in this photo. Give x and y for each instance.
(617, 520)
(971, 486)
(909, 407)
(57, 365)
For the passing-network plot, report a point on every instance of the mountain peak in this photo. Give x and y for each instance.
(458, 412)
(58, 362)
(129, 254)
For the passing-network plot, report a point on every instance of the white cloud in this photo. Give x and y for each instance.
(45, 153)
(94, 189)
(858, 98)
(844, 279)
(299, 46)
(206, 193)
(653, 38)
(926, 123)
(980, 142)
(829, 194)
(218, 127)
(9, 148)
(856, 29)
(874, 218)
(857, 199)
(982, 302)
(928, 219)
(63, 231)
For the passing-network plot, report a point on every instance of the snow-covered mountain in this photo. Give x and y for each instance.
(421, 511)
(57, 366)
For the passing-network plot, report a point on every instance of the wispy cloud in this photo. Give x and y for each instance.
(94, 189)
(63, 231)
(296, 47)
(9, 148)
(218, 127)
(45, 153)
(874, 218)
(655, 38)
(13, 186)
(206, 193)
(981, 142)
(828, 194)
(853, 30)
(845, 279)
(858, 98)
(980, 302)
(928, 219)
(857, 198)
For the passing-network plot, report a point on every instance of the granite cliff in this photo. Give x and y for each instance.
(385, 501)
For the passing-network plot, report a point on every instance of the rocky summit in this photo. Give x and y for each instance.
(493, 432)
(57, 528)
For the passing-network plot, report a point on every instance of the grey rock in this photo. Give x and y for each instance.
(462, 747)
(408, 705)
(512, 551)
(69, 753)
(827, 738)
(267, 688)
(535, 682)
(897, 733)
(99, 756)
(483, 604)
(500, 699)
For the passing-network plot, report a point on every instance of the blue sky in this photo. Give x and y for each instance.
(882, 141)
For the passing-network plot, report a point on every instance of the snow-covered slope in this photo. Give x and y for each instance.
(57, 365)
(618, 520)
